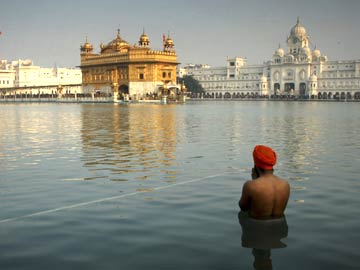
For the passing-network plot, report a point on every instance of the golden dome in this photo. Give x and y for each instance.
(118, 44)
(144, 39)
(169, 42)
(86, 47)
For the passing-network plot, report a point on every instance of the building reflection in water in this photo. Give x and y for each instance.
(138, 139)
(262, 236)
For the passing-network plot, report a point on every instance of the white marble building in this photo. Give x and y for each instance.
(7, 74)
(298, 71)
(23, 75)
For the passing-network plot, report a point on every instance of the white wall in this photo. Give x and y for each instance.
(7, 78)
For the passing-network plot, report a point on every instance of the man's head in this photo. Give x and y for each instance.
(264, 157)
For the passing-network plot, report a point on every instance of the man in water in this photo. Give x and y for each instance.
(266, 196)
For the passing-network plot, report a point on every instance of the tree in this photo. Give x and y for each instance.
(191, 84)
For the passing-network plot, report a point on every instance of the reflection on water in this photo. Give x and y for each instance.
(128, 152)
(262, 236)
(36, 134)
(128, 139)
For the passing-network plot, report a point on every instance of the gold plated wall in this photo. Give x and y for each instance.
(119, 63)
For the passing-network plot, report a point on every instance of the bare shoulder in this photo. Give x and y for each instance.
(283, 183)
(248, 187)
(255, 185)
(246, 195)
(250, 184)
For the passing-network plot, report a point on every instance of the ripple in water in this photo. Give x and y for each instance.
(141, 181)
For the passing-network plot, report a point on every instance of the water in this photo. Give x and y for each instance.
(103, 186)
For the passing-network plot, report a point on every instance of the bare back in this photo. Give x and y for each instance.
(265, 197)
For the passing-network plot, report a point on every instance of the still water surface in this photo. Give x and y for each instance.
(103, 186)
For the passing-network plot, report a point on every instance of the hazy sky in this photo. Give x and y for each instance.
(204, 31)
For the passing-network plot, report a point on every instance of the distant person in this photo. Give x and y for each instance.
(266, 196)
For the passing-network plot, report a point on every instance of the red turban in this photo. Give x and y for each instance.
(264, 157)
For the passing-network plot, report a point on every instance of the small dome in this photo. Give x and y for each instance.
(298, 30)
(144, 40)
(169, 42)
(279, 52)
(316, 53)
(86, 47)
(144, 37)
(27, 62)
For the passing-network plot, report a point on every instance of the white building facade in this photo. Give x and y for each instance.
(7, 75)
(298, 72)
(24, 76)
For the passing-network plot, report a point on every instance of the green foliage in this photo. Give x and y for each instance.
(191, 84)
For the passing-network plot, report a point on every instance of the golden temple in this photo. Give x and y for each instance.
(129, 71)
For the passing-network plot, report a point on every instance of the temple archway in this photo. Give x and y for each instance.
(276, 88)
(123, 89)
(302, 88)
(289, 87)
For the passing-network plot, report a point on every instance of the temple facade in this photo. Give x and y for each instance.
(124, 70)
(298, 71)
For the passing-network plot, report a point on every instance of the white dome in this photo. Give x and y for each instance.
(316, 53)
(279, 52)
(298, 30)
(27, 62)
